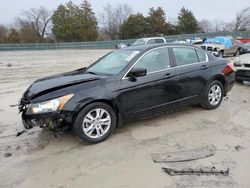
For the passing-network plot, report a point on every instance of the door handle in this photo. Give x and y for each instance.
(204, 66)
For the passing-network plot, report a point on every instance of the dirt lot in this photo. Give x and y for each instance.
(42, 159)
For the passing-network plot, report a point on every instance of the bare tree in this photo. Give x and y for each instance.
(37, 20)
(206, 26)
(113, 17)
(219, 26)
(242, 20)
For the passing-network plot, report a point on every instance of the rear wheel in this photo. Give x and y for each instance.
(213, 95)
(95, 123)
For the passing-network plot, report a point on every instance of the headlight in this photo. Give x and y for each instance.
(49, 106)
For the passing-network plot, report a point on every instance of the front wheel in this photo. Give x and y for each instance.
(95, 123)
(213, 95)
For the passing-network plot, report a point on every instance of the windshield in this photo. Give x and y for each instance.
(139, 42)
(112, 63)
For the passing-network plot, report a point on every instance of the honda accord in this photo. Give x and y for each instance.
(126, 84)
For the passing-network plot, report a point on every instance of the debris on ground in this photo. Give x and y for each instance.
(18, 147)
(201, 171)
(238, 147)
(7, 155)
(182, 156)
(20, 133)
(56, 135)
(245, 101)
(13, 105)
(9, 65)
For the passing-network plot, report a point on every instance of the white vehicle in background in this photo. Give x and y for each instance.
(243, 68)
(143, 41)
(194, 41)
(151, 40)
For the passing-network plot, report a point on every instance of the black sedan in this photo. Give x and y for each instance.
(128, 83)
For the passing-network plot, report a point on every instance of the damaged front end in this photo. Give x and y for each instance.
(55, 119)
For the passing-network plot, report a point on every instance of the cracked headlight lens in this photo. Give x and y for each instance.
(50, 105)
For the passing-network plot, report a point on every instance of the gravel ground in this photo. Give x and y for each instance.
(42, 159)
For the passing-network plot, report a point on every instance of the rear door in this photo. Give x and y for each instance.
(153, 92)
(192, 69)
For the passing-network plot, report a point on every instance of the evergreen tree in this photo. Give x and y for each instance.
(88, 22)
(74, 23)
(156, 22)
(187, 23)
(134, 27)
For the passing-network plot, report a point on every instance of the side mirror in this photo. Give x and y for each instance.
(137, 72)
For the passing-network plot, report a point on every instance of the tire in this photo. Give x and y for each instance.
(221, 54)
(92, 128)
(213, 95)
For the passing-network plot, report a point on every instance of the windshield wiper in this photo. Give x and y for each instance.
(91, 72)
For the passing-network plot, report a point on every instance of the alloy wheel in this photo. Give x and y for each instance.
(214, 94)
(96, 123)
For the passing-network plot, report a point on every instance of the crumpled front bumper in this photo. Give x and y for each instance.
(52, 121)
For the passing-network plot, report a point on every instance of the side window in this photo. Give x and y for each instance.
(155, 60)
(184, 55)
(151, 41)
(201, 55)
(159, 41)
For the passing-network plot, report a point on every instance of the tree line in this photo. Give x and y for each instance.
(78, 22)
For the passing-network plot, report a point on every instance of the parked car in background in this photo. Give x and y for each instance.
(245, 48)
(194, 41)
(243, 68)
(143, 41)
(151, 40)
(222, 46)
(126, 84)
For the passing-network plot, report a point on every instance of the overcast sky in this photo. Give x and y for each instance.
(223, 10)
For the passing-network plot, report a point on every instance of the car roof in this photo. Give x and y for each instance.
(151, 46)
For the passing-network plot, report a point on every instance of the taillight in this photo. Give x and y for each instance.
(229, 68)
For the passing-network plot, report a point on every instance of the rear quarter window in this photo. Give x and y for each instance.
(201, 55)
(185, 55)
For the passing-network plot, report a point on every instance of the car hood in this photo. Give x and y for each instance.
(59, 81)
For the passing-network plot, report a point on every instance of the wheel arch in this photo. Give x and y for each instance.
(222, 80)
(111, 103)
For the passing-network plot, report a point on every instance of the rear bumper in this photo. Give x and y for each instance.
(52, 121)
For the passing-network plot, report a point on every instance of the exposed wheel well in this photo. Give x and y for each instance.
(222, 81)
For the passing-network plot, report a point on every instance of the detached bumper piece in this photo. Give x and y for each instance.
(53, 121)
(243, 75)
